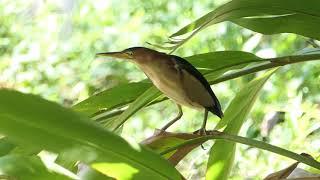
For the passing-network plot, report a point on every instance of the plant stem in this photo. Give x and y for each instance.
(251, 142)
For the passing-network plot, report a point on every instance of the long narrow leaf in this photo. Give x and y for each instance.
(293, 23)
(222, 153)
(114, 97)
(297, 13)
(214, 64)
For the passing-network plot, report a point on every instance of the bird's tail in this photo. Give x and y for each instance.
(217, 111)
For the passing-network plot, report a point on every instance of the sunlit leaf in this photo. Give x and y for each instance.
(30, 121)
(29, 168)
(222, 153)
(87, 173)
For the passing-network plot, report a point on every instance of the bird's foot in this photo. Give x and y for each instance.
(201, 132)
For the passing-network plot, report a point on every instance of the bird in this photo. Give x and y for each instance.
(176, 78)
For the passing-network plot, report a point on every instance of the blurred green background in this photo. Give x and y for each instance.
(47, 47)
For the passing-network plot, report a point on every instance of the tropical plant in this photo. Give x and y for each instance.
(87, 135)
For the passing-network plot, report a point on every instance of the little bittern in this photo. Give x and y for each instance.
(176, 78)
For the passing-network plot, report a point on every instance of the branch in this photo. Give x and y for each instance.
(250, 142)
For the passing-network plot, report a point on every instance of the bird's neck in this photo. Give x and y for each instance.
(150, 57)
(152, 63)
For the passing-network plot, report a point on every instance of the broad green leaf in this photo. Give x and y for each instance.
(222, 59)
(26, 168)
(222, 152)
(111, 98)
(30, 121)
(110, 120)
(271, 9)
(214, 64)
(5, 146)
(292, 23)
(143, 100)
(87, 173)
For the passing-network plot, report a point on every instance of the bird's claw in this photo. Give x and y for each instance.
(201, 132)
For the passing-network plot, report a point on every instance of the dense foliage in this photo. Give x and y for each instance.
(260, 56)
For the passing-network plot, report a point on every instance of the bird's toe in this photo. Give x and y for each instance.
(201, 132)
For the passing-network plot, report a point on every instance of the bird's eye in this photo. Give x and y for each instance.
(129, 53)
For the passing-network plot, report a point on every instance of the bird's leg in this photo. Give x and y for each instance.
(202, 130)
(179, 115)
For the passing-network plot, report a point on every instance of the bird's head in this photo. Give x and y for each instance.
(135, 54)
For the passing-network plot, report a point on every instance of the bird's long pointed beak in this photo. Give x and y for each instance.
(120, 55)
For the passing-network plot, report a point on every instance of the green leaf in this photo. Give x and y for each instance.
(28, 120)
(26, 168)
(275, 10)
(213, 64)
(5, 146)
(143, 100)
(222, 152)
(111, 98)
(194, 25)
(222, 59)
(87, 173)
(293, 23)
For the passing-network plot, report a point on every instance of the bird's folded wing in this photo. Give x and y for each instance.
(197, 87)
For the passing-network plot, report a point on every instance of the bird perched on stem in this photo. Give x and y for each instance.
(176, 78)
